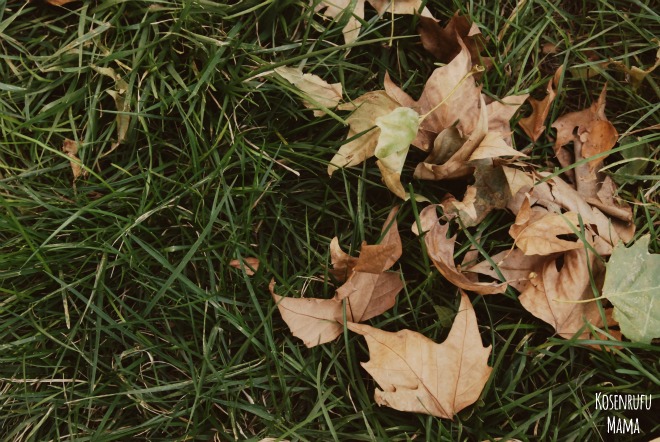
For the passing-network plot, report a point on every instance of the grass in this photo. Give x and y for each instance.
(120, 318)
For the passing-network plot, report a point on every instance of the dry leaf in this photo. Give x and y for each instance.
(635, 75)
(367, 109)
(369, 294)
(342, 262)
(533, 124)
(500, 113)
(381, 257)
(122, 105)
(536, 231)
(452, 84)
(516, 267)
(250, 265)
(70, 148)
(318, 92)
(443, 42)
(418, 375)
(551, 295)
(310, 319)
(441, 251)
(335, 9)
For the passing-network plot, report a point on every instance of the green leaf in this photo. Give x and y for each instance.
(397, 130)
(632, 284)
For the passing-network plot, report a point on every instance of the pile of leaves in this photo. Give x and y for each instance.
(567, 224)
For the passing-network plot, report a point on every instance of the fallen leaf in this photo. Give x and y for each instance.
(443, 44)
(500, 113)
(418, 375)
(441, 251)
(336, 8)
(638, 154)
(342, 262)
(636, 75)
(516, 268)
(452, 85)
(367, 109)
(533, 125)
(310, 319)
(536, 231)
(632, 285)
(318, 93)
(369, 294)
(397, 130)
(70, 148)
(380, 257)
(250, 265)
(556, 293)
(122, 105)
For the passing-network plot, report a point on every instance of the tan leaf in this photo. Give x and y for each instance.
(443, 42)
(536, 231)
(310, 319)
(366, 109)
(335, 9)
(318, 92)
(636, 75)
(552, 294)
(382, 256)
(249, 265)
(441, 251)
(342, 262)
(452, 84)
(516, 267)
(369, 294)
(500, 113)
(418, 375)
(70, 148)
(533, 125)
(494, 145)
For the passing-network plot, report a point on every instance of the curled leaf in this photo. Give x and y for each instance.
(318, 93)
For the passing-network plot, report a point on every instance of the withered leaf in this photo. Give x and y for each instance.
(443, 42)
(552, 294)
(367, 109)
(441, 251)
(369, 294)
(342, 262)
(418, 375)
(250, 265)
(318, 92)
(122, 104)
(70, 148)
(533, 125)
(335, 9)
(516, 267)
(452, 85)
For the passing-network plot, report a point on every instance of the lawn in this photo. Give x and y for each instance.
(121, 317)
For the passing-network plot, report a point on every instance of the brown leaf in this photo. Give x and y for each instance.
(369, 295)
(366, 109)
(122, 104)
(380, 257)
(250, 265)
(552, 293)
(461, 95)
(516, 267)
(70, 148)
(418, 375)
(443, 42)
(441, 251)
(319, 92)
(500, 113)
(310, 319)
(342, 262)
(533, 124)
(335, 9)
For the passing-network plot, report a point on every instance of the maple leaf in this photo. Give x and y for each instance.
(342, 262)
(516, 268)
(369, 290)
(250, 265)
(533, 125)
(450, 95)
(335, 8)
(441, 251)
(632, 285)
(363, 131)
(415, 374)
(443, 42)
(318, 92)
(556, 286)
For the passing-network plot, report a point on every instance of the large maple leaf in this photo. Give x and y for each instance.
(416, 374)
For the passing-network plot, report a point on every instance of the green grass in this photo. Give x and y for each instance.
(120, 318)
